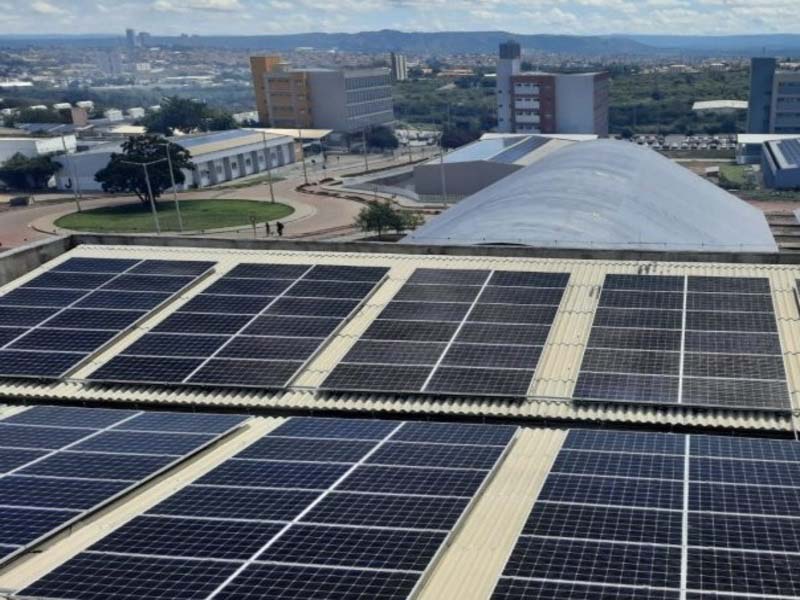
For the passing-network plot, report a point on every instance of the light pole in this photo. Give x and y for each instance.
(75, 186)
(364, 147)
(268, 160)
(303, 155)
(441, 166)
(149, 189)
(174, 190)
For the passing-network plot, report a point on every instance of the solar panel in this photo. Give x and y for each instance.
(54, 322)
(669, 531)
(58, 464)
(254, 327)
(694, 340)
(318, 508)
(456, 332)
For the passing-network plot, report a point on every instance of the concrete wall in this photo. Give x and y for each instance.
(575, 111)
(18, 261)
(762, 71)
(328, 100)
(34, 146)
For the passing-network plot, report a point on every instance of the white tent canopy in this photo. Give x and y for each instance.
(603, 194)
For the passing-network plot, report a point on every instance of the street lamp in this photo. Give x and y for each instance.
(76, 190)
(166, 145)
(144, 165)
(268, 159)
(303, 155)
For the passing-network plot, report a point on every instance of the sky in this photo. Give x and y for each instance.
(263, 17)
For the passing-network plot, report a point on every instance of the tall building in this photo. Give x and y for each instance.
(508, 66)
(774, 105)
(399, 67)
(144, 39)
(343, 100)
(534, 102)
(130, 37)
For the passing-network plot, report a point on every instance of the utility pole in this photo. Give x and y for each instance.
(268, 160)
(303, 155)
(408, 144)
(75, 186)
(441, 166)
(174, 190)
(149, 189)
(364, 147)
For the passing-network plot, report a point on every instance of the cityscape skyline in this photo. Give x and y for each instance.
(250, 17)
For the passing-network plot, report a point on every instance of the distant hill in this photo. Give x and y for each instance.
(457, 42)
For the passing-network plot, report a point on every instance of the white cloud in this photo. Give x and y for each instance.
(45, 8)
(182, 6)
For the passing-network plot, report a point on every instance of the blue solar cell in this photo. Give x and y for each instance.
(236, 503)
(743, 572)
(274, 474)
(63, 340)
(259, 271)
(22, 524)
(205, 324)
(40, 297)
(123, 300)
(91, 318)
(355, 547)
(98, 466)
(7, 334)
(456, 433)
(24, 436)
(146, 369)
(277, 448)
(626, 441)
(57, 493)
(12, 458)
(148, 283)
(745, 472)
(95, 265)
(619, 464)
(17, 316)
(527, 589)
(183, 422)
(284, 582)
(64, 416)
(437, 455)
(365, 429)
(237, 305)
(74, 281)
(744, 532)
(402, 480)
(135, 442)
(32, 363)
(616, 491)
(196, 538)
(175, 345)
(744, 448)
(243, 373)
(108, 577)
(743, 499)
(172, 267)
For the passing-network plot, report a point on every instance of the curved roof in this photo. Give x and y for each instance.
(602, 194)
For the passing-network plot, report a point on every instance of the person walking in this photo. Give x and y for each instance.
(266, 226)
(279, 227)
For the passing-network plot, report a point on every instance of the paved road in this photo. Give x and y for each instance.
(313, 214)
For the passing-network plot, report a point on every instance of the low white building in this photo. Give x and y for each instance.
(136, 112)
(35, 146)
(780, 164)
(218, 157)
(750, 146)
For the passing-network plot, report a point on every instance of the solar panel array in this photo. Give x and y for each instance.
(705, 341)
(662, 516)
(456, 332)
(319, 508)
(254, 327)
(53, 322)
(57, 464)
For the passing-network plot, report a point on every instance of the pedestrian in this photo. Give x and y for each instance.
(266, 226)
(279, 227)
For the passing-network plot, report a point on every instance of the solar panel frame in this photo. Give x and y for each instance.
(90, 423)
(73, 317)
(233, 363)
(736, 538)
(728, 354)
(410, 543)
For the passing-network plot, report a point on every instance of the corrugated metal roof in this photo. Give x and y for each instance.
(550, 389)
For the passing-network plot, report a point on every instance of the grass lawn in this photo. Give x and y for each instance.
(736, 174)
(197, 215)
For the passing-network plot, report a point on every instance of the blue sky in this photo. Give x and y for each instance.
(296, 16)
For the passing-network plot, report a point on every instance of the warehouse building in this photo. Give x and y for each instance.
(296, 420)
(218, 157)
(602, 194)
(35, 146)
(469, 169)
(780, 164)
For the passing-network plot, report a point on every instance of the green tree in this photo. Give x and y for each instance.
(187, 116)
(119, 176)
(382, 137)
(22, 172)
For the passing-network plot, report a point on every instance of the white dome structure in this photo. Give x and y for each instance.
(603, 194)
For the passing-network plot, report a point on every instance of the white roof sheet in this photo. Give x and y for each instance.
(602, 194)
(720, 105)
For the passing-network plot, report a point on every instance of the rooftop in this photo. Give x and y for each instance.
(605, 194)
(720, 105)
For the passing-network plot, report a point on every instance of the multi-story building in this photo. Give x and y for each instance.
(535, 102)
(399, 67)
(130, 37)
(774, 105)
(343, 100)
